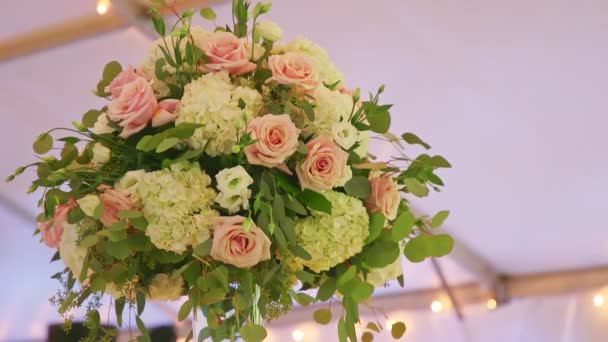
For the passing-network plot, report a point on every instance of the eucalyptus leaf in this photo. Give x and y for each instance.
(315, 201)
(416, 188)
(208, 13)
(402, 226)
(439, 218)
(43, 143)
(358, 186)
(322, 316)
(413, 139)
(253, 332)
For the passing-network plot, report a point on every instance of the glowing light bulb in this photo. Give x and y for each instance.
(103, 6)
(436, 306)
(389, 325)
(297, 335)
(598, 301)
(491, 304)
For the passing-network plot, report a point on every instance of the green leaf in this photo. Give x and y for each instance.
(89, 241)
(441, 245)
(373, 327)
(167, 144)
(308, 110)
(346, 277)
(145, 335)
(413, 139)
(416, 188)
(129, 214)
(305, 277)
(119, 306)
(300, 252)
(439, 218)
(367, 337)
(342, 333)
(397, 330)
(159, 24)
(98, 210)
(382, 253)
(376, 224)
(402, 226)
(361, 291)
(184, 311)
(315, 201)
(98, 284)
(304, 299)
(208, 14)
(439, 161)
(111, 70)
(90, 118)
(140, 243)
(118, 249)
(253, 332)
(322, 316)
(141, 302)
(358, 186)
(203, 249)
(327, 289)
(75, 215)
(139, 223)
(43, 143)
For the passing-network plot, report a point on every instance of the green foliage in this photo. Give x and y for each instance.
(382, 253)
(322, 316)
(43, 143)
(376, 224)
(439, 218)
(208, 13)
(253, 332)
(402, 226)
(397, 330)
(425, 246)
(315, 201)
(110, 71)
(413, 139)
(358, 186)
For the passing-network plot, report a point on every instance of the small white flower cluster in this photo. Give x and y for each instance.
(233, 185)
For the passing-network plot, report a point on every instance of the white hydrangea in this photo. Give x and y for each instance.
(269, 30)
(177, 204)
(332, 239)
(328, 71)
(166, 287)
(102, 125)
(212, 100)
(88, 204)
(331, 107)
(344, 134)
(101, 154)
(148, 66)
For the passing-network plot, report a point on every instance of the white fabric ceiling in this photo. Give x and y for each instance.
(512, 92)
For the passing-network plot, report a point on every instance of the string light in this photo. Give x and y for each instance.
(297, 335)
(598, 301)
(491, 304)
(103, 6)
(437, 306)
(389, 325)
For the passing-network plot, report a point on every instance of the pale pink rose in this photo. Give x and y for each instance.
(126, 76)
(232, 245)
(277, 140)
(323, 166)
(133, 107)
(227, 52)
(384, 196)
(165, 113)
(294, 68)
(52, 230)
(114, 201)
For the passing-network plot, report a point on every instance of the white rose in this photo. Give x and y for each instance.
(380, 276)
(233, 181)
(128, 182)
(88, 204)
(269, 31)
(101, 154)
(344, 134)
(233, 202)
(70, 253)
(102, 125)
(164, 287)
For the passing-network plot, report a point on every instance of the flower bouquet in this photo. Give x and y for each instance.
(233, 170)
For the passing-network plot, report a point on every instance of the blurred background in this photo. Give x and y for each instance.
(513, 92)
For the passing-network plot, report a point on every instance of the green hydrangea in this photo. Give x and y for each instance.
(177, 204)
(332, 239)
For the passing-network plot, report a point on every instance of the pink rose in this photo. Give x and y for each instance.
(232, 245)
(52, 230)
(126, 76)
(227, 52)
(114, 201)
(384, 197)
(166, 112)
(277, 140)
(294, 68)
(133, 106)
(323, 166)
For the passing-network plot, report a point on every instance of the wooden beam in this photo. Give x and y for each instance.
(74, 30)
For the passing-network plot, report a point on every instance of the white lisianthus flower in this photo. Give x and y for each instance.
(165, 287)
(101, 154)
(128, 183)
(269, 30)
(344, 134)
(363, 139)
(233, 181)
(102, 125)
(348, 174)
(233, 202)
(88, 204)
(70, 253)
(212, 100)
